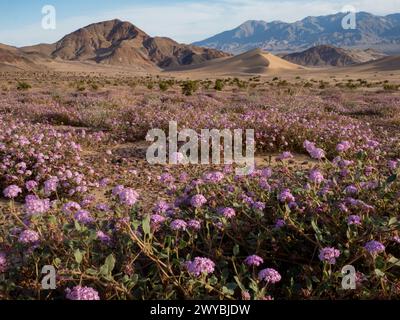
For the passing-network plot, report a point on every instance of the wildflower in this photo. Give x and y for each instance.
(263, 183)
(254, 260)
(157, 219)
(392, 164)
(103, 237)
(83, 216)
(266, 173)
(194, 224)
(351, 190)
(51, 185)
(28, 237)
(227, 212)
(71, 207)
(167, 178)
(198, 201)
(12, 191)
(31, 185)
(269, 275)
(178, 225)
(258, 206)
(3, 262)
(286, 196)
(117, 190)
(285, 156)
(246, 295)
(280, 223)
(82, 293)
(128, 197)
(374, 247)
(329, 255)
(343, 146)
(161, 207)
(35, 206)
(354, 220)
(103, 207)
(200, 266)
(214, 177)
(316, 176)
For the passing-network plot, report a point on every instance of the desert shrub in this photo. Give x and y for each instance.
(163, 85)
(189, 87)
(219, 85)
(21, 85)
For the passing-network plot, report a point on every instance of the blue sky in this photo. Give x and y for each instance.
(183, 20)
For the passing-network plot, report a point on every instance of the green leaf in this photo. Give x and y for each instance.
(108, 266)
(379, 273)
(146, 225)
(236, 250)
(78, 256)
(392, 221)
(227, 291)
(91, 272)
(392, 178)
(395, 261)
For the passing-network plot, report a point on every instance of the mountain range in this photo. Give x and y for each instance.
(326, 55)
(111, 42)
(372, 31)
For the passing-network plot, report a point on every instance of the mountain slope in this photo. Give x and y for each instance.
(116, 42)
(372, 31)
(324, 55)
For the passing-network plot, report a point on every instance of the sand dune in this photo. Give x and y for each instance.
(252, 62)
(391, 63)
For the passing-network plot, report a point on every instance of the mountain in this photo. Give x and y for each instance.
(254, 61)
(325, 55)
(376, 32)
(13, 59)
(121, 43)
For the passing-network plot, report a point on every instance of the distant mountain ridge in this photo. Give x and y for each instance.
(376, 32)
(116, 42)
(325, 55)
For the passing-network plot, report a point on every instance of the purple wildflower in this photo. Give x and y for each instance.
(31, 185)
(28, 237)
(269, 275)
(316, 176)
(12, 191)
(286, 196)
(128, 197)
(254, 260)
(3, 262)
(35, 206)
(71, 208)
(227, 212)
(374, 247)
(354, 220)
(83, 216)
(194, 224)
(329, 255)
(198, 201)
(178, 225)
(82, 293)
(200, 266)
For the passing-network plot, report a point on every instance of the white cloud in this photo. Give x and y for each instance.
(195, 20)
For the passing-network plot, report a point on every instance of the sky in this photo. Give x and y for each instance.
(185, 21)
